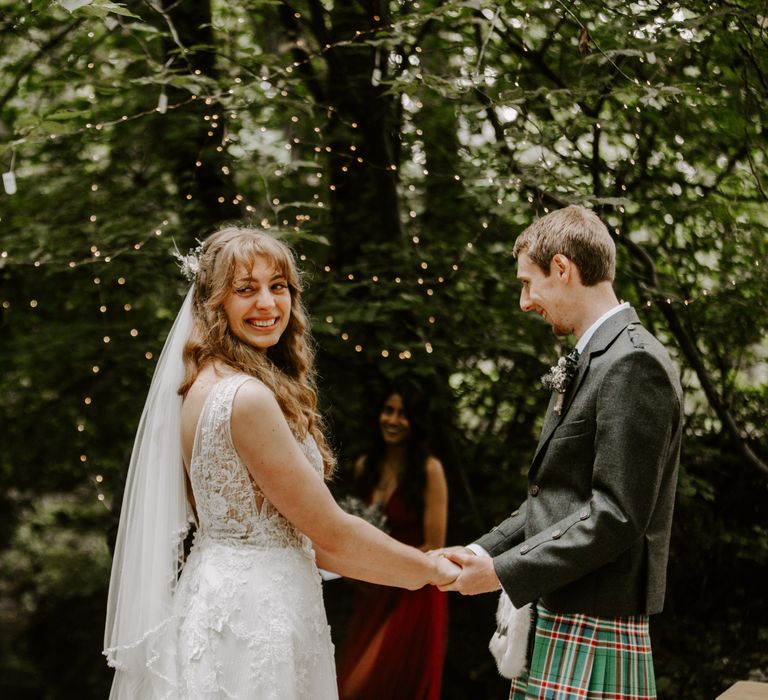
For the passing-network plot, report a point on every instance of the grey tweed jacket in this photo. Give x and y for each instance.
(593, 534)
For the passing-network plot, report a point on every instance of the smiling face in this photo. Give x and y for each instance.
(546, 294)
(258, 308)
(394, 424)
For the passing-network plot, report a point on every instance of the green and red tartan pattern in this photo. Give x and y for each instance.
(588, 658)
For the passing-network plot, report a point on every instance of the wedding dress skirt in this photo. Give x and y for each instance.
(248, 619)
(252, 625)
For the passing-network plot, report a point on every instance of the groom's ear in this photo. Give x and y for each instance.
(562, 267)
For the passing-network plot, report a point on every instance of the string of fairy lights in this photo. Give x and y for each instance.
(425, 280)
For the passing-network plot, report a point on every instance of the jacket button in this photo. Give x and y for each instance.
(584, 515)
(524, 549)
(556, 534)
(533, 490)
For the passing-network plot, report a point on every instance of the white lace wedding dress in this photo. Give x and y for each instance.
(249, 618)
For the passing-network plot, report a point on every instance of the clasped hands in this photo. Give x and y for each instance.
(477, 574)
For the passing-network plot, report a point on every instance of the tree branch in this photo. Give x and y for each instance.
(692, 354)
(27, 66)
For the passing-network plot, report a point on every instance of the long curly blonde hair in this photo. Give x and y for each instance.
(287, 368)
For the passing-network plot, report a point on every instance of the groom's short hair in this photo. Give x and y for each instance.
(577, 233)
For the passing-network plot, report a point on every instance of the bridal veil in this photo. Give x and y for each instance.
(154, 521)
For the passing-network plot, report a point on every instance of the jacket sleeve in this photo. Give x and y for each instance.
(637, 409)
(505, 535)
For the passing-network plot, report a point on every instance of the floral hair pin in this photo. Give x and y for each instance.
(189, 264)
(560, 375)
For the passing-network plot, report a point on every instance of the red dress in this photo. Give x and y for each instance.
(395, 645)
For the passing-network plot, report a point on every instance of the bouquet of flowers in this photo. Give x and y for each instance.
(373, 513)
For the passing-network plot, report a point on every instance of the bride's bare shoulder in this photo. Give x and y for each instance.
(253, 396)
(210, 375)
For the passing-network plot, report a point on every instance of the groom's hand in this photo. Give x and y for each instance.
(477, 573)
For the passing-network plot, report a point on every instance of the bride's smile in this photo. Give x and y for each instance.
(259, 307)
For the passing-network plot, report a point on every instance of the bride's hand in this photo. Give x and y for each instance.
(446, 571)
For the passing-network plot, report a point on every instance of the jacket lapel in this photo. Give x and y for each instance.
(598, 343)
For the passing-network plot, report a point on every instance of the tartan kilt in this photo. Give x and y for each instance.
(588, 658)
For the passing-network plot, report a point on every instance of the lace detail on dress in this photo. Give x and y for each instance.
(227, 499)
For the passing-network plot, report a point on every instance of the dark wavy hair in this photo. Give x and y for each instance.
(413, 479)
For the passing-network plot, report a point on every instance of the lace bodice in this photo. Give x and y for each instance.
(229, 504)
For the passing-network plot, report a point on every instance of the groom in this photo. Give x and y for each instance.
(589, 546)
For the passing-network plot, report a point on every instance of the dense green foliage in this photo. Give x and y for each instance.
(400, 146)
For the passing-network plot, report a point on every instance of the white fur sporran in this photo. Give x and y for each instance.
(509, 643)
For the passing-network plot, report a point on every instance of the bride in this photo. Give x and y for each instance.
(230, 436)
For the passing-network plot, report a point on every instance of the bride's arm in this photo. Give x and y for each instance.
(346, 544)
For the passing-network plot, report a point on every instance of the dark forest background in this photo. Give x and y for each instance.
(400, 146)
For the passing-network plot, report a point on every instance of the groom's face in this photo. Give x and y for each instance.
(544, 294)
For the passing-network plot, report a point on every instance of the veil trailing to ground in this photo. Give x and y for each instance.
(154, 521)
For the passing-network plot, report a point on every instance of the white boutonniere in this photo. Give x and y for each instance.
(560, 375)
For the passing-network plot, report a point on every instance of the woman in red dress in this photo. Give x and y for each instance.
(395, 645)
